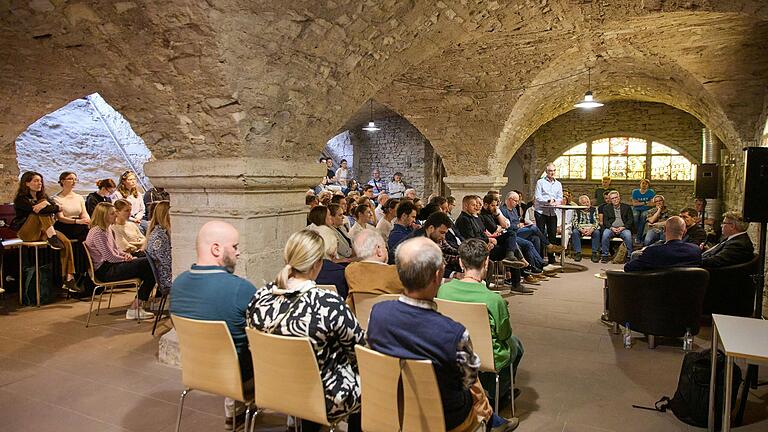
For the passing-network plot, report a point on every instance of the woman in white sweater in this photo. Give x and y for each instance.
(128, 237)
(72, 220)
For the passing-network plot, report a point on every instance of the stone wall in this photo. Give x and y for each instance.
(86, 136)
(656, 121)
(398, 146)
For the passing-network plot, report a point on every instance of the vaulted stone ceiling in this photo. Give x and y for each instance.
(225, 78)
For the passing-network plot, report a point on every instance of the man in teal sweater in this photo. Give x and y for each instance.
(473, 256)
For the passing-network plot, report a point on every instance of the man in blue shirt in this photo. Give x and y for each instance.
(210, 291)
(549, 193)
(401, 229)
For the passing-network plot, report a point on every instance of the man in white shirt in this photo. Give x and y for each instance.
(549, 193)
(382, 200)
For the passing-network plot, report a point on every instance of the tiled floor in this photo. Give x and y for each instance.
(56, 375)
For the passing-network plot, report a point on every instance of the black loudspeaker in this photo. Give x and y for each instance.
(756, 185)
(707, 176)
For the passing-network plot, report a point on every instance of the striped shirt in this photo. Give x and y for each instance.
(102, 247)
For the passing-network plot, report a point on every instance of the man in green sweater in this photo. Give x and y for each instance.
(473, 256)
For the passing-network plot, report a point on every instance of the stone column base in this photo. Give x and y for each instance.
(462, 186)
(262, 198)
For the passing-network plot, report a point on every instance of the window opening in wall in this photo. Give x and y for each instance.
(623, 158)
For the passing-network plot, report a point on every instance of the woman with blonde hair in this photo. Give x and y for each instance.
(111, 264)
(127, 235)
(294, 306)
(127, 189)
(159, 244)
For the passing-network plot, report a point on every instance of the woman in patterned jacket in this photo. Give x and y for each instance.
(294, 306)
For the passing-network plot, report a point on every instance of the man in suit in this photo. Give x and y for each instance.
(674, 252)
(736, 247)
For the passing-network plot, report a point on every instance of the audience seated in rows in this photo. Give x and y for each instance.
(656, 218)
(507, 347)
(158, 245)
(34, 221)
(585, 224)
(411, 328)
(435, 228)
(736, 247)
(617, 221)
(470, 225)
(127, 188)
(73, 219)
(104, 194)
(211, 291)
(112, 264)
(512, 209)
(674, 252)
(371, 274)
(294, 306)
(128, 236)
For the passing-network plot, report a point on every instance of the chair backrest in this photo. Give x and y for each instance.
(661, 303)
(379, 380)
(422, 405)
(331, 288)
(209, 359)
(473, 316)
(91, 271)
(731, 289)
(286, 377)
(153, 267)
(364, 303)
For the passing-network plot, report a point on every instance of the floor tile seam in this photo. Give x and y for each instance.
(73, 411)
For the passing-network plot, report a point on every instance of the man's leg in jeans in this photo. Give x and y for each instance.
(530, 253)
(626, 235)
(606, 242)
(596, 241)
(576, 241)
(551, 230)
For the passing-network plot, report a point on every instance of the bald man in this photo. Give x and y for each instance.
(211, 291)
(674, 252)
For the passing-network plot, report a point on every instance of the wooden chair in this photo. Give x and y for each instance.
(414, 406)
(364, 302)
(286, 377)
(209, 362)
(135, 282)
(474, 316)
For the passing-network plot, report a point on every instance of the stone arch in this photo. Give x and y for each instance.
(86, 136)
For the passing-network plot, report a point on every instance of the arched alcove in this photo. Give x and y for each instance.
(86, 136)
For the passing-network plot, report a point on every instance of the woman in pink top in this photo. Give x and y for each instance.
(112, 264)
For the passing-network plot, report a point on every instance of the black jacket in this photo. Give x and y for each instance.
(737, 250)
(23, 207)
(696, 235)
(626, 216)
(470, 227)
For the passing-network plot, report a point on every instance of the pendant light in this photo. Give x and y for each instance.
(371, 126)
(589, 101)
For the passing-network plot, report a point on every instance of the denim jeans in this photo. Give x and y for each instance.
(640, 218)
(608, 234)
(530, 253)
(652, 236)
(576, 241)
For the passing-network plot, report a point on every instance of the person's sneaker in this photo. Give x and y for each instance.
(551, 268)
(605, 259)
(132, 314)
(595, 257)
(513, 262)
(239, 419)
(554, 249)
(71, 286)
(521, 290)
(577, 256)
(55, 244)
(510, 425)
(531, 279)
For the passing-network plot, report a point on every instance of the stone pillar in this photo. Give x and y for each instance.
(262, 198)
(462, 186)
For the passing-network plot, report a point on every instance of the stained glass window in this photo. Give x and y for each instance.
(623, 158)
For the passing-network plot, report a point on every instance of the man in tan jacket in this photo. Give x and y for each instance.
(371, 274)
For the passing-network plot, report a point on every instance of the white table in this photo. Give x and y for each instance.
(745, 338)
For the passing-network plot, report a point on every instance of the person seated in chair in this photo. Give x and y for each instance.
(435, 228)
(412, 328)
(507, 347)
(403, 226)
(657, 216)
(736, 247)
(694, 233)
(159, 245)
(585, 224)
(674, 252)
(617, 221)
(371, 274)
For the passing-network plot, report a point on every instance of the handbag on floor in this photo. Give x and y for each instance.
(690, 403)
(621, 254)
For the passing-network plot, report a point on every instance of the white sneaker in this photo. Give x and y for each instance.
(131, 314)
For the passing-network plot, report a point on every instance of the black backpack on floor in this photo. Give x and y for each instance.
(690, 403)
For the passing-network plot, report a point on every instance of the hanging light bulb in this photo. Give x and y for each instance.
(371, 126)
(589, 100)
